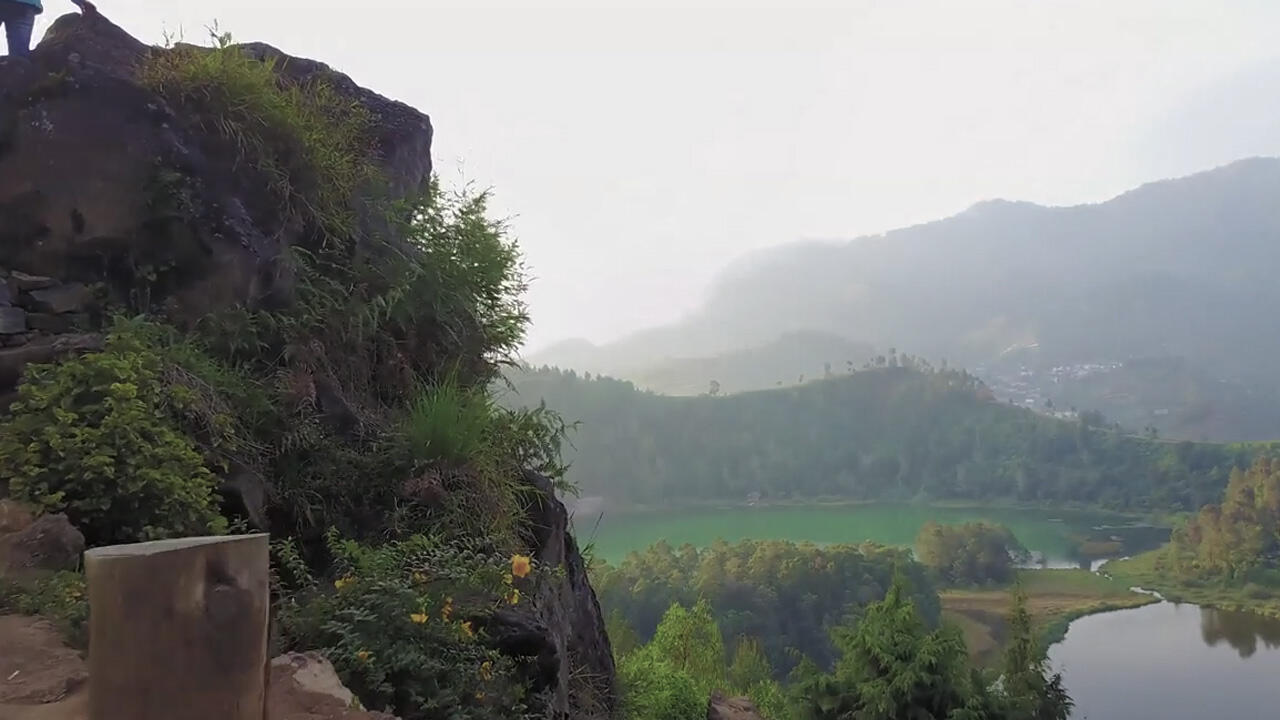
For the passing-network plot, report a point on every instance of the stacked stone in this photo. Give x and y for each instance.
(33, 306)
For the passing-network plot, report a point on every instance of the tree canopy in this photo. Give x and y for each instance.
(970, 553)
(892, 433)
(787, 595)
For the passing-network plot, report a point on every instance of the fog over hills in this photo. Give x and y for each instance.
(1180, 268)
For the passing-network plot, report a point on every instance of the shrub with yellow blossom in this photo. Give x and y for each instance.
(403, 623)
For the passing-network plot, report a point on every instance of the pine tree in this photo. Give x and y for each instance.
(1031, 690)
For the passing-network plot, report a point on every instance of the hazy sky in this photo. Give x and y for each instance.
(638, 147)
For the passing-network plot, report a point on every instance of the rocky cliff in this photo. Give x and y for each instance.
(118, 197)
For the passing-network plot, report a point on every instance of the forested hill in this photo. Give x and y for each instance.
(883, 433)
(1178, 269)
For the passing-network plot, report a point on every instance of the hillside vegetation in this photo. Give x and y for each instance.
(344, 409)
(883, 433)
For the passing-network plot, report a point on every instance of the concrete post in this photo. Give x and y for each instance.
(178, 629)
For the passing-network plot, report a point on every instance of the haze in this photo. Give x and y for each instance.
(639, 149)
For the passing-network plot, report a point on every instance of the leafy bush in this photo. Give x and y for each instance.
(59, 597)
(404, 625)
(654, 689)
(99, 437)
(308, 140)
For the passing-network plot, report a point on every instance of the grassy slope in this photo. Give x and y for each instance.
(1054, 597)
(1144, 570)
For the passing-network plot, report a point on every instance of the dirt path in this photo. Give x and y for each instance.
(40, 678)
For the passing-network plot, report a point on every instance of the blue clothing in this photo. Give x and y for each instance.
(36, 4)
(19, 19)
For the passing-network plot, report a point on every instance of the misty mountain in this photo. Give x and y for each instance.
(787, 360)
(1179, 268)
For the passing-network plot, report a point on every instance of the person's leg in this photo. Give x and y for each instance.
(19, 21)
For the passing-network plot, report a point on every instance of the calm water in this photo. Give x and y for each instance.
(1054, 534)
(1172, 662)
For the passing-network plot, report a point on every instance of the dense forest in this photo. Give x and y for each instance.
(902, 433)
(808, 633)
(1239, 536)
(786, 594)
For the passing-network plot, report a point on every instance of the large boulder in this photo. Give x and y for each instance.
(304, 686)
(732, 708)
(94, 167)
(50, 543)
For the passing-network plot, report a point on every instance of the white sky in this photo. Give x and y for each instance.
(641, 146)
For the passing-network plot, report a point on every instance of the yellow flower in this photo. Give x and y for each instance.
(486, 670)
(364, 655)
(513, 597)
(343, 582)
(418, 618)
(418, 577)
(521, 565)
(467, 629)
(447, 611)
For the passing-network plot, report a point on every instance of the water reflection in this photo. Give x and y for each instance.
(1171, 662)
(1242, 631)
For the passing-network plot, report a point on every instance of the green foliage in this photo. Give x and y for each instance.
(1029, 687)
(309, 141)
(971, 553)
(1239, 536)
(101, 437)
(787, 595)
(886, 433)
(750, 674)
(892, 666)
(750, 667)
(449, 424)
(622, 638)
(404, 626)
(653, 689)
(690, 640)
(59, 597)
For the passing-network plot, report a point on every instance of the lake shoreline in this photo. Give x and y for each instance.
(1055, 598)
(1142, 571)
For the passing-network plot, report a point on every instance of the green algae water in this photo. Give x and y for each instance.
(1056, 536)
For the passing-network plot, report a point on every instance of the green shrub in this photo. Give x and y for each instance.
(404, 626)
(99, 438)
(310, 142)
(654, 689)
(59, 597)
(450, 424)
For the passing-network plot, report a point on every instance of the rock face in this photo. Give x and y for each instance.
(85, 149)
(564, 629)
(736, 708)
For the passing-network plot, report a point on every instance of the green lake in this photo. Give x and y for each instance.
(1053, 534)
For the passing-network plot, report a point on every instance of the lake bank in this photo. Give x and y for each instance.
(1144, 570)
(1171, 661)
(1055, 597)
